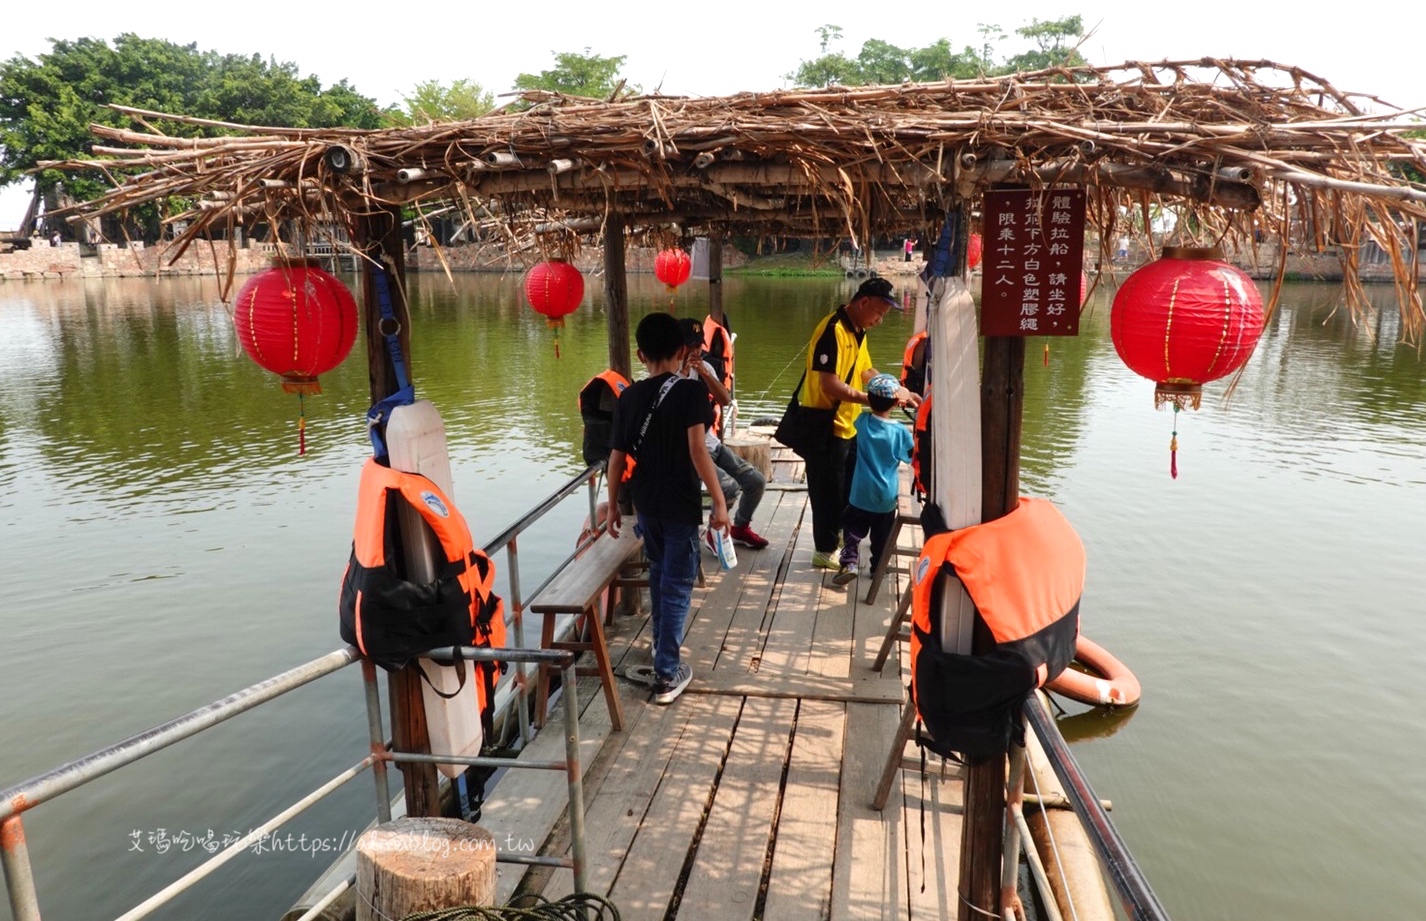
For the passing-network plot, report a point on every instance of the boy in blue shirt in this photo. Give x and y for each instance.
(883, 445)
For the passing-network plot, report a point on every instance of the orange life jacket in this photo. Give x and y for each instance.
(718, 352)
(913, 371)
(393, 620)
(921, 451)
(596, 409)
(1025, 575)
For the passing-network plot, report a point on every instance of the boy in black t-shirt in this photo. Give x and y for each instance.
(660, 422)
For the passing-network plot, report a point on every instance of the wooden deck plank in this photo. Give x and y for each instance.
(724, 882)
(868, 881)
(800, 886)
(829, 653)
(867, 688)
(740, 647)
(939, 869)
(729, 636)
(615, 807)
(644, 885)
(525, 805)
(695, 790)
(787, 638)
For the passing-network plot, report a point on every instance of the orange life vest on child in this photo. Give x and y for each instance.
(913, 371)
(1025, 574)
(596, 410)
(393, 620)
(718, 352)
(921, 451)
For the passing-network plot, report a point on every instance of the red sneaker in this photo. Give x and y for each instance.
(744, 536)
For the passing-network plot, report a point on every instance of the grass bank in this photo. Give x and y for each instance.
(788, 264)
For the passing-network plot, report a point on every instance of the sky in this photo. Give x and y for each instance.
(718, 49)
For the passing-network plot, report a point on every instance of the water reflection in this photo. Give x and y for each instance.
(151, 495)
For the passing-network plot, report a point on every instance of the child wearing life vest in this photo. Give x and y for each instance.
(883, 445)
(739, 479)
(660, 421)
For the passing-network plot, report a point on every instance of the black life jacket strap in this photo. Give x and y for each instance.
(459, 663)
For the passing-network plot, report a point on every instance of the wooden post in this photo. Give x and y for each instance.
(1002, 402)
(961, 424)
(616, 296)
(378, 234)
(715, 277)
(415, 865)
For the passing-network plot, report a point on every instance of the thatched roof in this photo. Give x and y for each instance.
(1233, 146)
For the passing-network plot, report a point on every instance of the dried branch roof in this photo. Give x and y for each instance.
(1237, 146)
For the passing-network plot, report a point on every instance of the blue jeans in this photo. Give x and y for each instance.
(672, 549)
(740, 480)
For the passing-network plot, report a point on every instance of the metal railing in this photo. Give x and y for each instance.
(25, 796)
(1128, 881)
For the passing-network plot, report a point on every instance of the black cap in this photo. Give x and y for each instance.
(877, 287)
(692, 331)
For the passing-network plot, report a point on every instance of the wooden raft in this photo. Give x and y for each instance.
(750, 796)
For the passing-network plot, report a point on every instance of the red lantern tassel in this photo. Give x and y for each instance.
(1173, 446)
(1047, 354)
(301, 426)
(557, 346)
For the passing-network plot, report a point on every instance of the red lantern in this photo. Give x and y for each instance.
(975, 249)
(296, 321)
(554, 288)
(299, 322)
(1184, 320)
(672, 267)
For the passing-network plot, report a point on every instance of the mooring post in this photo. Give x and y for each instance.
(378, 236)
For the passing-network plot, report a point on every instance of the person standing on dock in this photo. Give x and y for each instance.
(739, 479)
(661, 422)
(883, 445)
(836, 356)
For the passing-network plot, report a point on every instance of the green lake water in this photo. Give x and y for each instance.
(164, 545)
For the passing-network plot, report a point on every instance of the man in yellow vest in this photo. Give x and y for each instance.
(838, 367)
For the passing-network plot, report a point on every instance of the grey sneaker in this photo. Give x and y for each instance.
(845, 574)
(666, 691)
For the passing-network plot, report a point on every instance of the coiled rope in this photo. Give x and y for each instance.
(578, 906)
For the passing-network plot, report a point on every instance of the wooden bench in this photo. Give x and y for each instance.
(578, 590)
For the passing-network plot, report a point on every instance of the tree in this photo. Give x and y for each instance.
(882, 62)
(1056, 40)
(47, 104)
(433, 101)
(587, 75)
(1057, 45)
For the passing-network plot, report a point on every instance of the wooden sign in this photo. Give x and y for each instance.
(1034, 262)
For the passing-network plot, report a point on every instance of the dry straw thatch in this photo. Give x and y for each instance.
(1236, 151)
